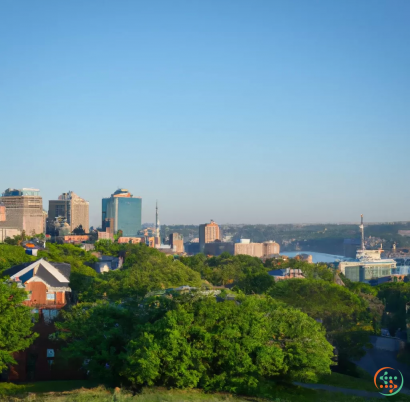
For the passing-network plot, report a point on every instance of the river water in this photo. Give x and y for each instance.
(317, 257)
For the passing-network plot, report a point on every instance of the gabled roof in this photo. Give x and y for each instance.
(16, 268)
(57, 273)
(63, 268)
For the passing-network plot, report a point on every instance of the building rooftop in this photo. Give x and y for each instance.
(13, 192)
(55, 274)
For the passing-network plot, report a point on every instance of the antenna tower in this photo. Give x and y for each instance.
(157, 220)
(362, 230)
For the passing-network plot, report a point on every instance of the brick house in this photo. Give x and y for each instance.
(48, 290)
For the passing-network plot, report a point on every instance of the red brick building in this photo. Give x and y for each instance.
(48, 290)
(75, 238)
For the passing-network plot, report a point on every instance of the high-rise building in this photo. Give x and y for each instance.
(72, 208)
(24, 210)
(125, 210)
(176, 241)
(2, 212)
(45, 216)
(208, 233)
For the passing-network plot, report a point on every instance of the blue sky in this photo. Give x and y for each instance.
(239, 111)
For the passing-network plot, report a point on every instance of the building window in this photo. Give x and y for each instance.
(49, 315)
(51, 296)
(28, 295)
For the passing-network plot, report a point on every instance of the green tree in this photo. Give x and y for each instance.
(145, 269)
(16, 240)
(79, 230)
(246, 272)
(68, 253)
(395, 296)
(344, 314)
(12, 255)
(108, 247)
(15, 323)
(193, 341)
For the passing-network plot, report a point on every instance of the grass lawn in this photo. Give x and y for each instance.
(44, 386)
(347, 381)
(82, 391)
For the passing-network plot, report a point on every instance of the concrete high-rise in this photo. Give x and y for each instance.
(72, 208)
(125, 210)
(208, 233)
(24, 210)
(2, 212)
(177, 242)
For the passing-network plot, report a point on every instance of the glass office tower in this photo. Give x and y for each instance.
(125, 210)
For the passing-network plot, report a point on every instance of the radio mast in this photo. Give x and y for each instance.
(362, 230)
(157, 220)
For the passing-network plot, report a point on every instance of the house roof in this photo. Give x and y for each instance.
(278, 272)
(16, 268)
(47, 277)
(55, 274)
(285, 271)
(63, 268)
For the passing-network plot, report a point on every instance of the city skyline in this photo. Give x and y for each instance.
(275, 112)
(148, 214)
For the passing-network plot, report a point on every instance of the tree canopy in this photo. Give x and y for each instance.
(248, 273)
(12, 255)
(346, 316)
(197, 342)
(15, 323)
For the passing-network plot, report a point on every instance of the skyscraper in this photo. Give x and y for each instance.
(24, 210)
(208, 233)
(71, 207)
(125, 210)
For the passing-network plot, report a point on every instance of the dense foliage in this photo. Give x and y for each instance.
(12, 255)
(15, 323)
(248, 273)
(395, 296)
(346, 316)
(144, 269)
(197, 342)
(283, 330)
(310, 271)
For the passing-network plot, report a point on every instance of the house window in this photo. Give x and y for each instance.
(49, 315)
(28, 295)
(51, 296)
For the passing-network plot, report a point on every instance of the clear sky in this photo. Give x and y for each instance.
(241, 111)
